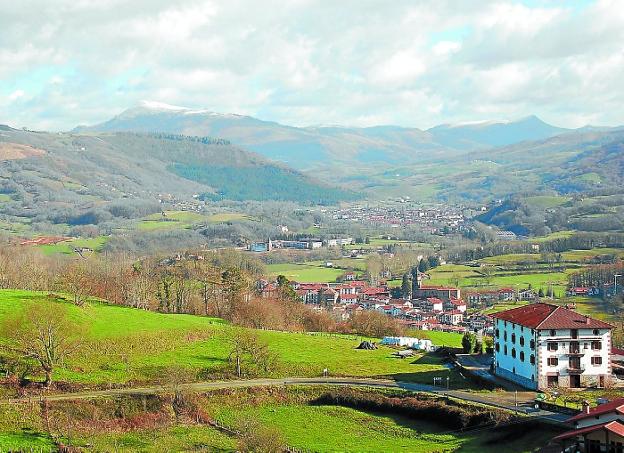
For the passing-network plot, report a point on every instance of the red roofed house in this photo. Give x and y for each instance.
(453, 317)
(432, 304)
(348, 298)
(595, 429)
(455, 304)
(545, 345)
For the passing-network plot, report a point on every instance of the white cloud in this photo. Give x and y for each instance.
(313, 61)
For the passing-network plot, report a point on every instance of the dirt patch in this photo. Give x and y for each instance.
(45, 240)
(15, 151)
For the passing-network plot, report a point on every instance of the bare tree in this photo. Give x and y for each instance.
(44, 334)
(248, 353)
(76, 280)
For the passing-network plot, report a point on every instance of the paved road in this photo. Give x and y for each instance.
(502, 400)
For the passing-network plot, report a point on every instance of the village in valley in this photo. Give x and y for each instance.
(312, 226)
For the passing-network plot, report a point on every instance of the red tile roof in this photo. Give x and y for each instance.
(434, 300)
(370, 291)
(615, 427)
(615, 405)
(549, 316)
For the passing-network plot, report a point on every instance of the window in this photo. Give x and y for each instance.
(552, 346)
(522, 356)
(497, 347)
(574, 347)
(513, 352)
(553, 333)
(521, 328)
(505, 349)
(596, 345)
(574, 333)
(597, 360)
(505, 336)
(596, 332)
(497, 333)
(521, 341)
(532, 359)
(513, 337)
(553, 361)
(532, 344)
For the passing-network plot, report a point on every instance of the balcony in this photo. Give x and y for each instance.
(575, 369)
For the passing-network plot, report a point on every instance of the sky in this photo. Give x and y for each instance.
(413, 63)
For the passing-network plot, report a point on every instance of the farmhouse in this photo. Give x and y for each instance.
(545, 345)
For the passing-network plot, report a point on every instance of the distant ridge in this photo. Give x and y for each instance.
(353, 148)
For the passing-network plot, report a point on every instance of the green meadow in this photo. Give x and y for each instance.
(125, 345)
(330, 428)
(185, 219)
(67, 247)
(305, 272)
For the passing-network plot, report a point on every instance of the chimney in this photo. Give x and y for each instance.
(586, 319)
(585, 407)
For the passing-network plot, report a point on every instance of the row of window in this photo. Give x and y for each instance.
(553, 332)
(513, 339)
(596, 345)
(513, 354)
(573, 332)
(554, 361)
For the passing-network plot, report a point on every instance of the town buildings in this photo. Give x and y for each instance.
(545, 345)
(342, 299)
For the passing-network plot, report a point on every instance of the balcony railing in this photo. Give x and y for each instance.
(576, 369)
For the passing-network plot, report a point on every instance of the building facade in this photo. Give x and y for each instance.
(545, 345)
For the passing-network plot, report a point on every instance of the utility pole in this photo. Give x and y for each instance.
(615, 277)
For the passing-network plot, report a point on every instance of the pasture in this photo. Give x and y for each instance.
(333, 428)
(185, 219)
(67, 247)
(305, 272)
(124, 345)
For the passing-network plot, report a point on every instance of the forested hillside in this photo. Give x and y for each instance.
(102, 179)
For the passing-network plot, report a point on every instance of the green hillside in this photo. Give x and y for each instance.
(124, 345)
(56, 183)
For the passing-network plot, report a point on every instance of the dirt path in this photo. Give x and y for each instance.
(502, 400)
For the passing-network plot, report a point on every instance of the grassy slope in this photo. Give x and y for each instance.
(67, 247)
(184, 219)
(125, 344)
(305, 272)
(335, 428)
(471, 279)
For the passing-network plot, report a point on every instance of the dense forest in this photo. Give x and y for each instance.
(265, 182)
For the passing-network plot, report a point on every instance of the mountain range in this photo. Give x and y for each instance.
(324, 147)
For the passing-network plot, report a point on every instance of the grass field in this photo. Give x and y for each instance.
(544, 201)
(67, 247)
(175, 438)
(470, 278)
(305, 272)
(185, 219)
(124, 345)
(342, 429)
